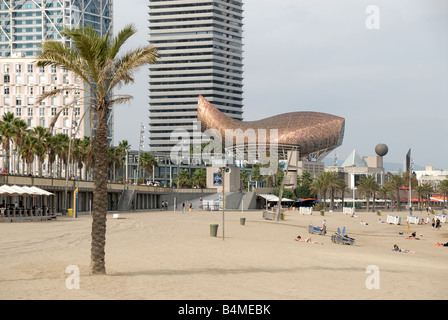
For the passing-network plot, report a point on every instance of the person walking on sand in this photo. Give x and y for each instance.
(183, 207)
(324, 226)
(438, 224)
(433, 223)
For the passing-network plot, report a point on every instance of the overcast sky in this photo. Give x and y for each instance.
(390, 84)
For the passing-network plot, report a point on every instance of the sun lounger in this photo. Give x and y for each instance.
(316, 230)
(342, 238)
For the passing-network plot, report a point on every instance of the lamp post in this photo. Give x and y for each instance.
(354, 185)
(411, 167)
(223, 171)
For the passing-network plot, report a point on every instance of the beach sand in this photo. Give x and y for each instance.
(165, 255)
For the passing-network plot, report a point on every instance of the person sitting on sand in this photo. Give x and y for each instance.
(413, 236)
(401, 250)
(299, 238)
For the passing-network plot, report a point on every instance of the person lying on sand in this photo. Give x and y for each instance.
(299, 238)
(401, 250)
(439, 244)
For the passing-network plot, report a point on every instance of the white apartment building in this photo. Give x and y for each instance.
(22, 82)
(24, 25)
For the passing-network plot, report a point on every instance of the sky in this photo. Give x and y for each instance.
(382, 68)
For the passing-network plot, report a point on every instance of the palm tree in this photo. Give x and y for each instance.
(386, 191)
(20, 130)
(368, 187)
(41, 146)
(244, 177)
(341, 186)
(427, 189)
(60, 143)
(6, 134)
(183, 179)
(52, 145)
(148, 162)
(443, 189)
(397, 182)
(95, 60)
(81, 151)
(199, 178)
(122, 152)
(27, 150)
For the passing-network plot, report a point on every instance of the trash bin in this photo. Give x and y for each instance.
(322, 212)
(242, 221)
(213, 230)
(378, 212)
(70, 212)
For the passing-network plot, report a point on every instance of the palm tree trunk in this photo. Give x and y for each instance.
(97, 264)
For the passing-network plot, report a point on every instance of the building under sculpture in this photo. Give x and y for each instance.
(313, 134)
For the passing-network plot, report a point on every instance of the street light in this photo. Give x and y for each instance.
(223, 171)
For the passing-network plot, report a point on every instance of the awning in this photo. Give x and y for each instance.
(23, 191)
(271, 197)
(309, 199)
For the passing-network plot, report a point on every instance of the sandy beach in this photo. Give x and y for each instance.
(165, 255)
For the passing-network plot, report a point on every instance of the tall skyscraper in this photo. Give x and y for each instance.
(200, 45)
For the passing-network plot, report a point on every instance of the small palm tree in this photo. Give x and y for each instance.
(386, 191)
(443, 189)
(6, 134)
(95, 60)
(41, 146)
(148, 162)
(199, 178)
(368, 187)
(397, 182)
(183, 179)
(20, 130)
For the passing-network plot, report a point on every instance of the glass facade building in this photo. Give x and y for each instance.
(24, 24)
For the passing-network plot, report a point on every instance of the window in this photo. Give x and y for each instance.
(18, 101)
(43, 79)
(77, 111)
(30, 68)
(30, 101)
(30, 122)
(30, 90)
(53, 111)
(30, 112)
(42, 69)
(53, 69)
(18, 112)
(19, 79)
(42, 122)
(18, 68)
(6, 68)
(18, 90)
(41, 112)
(6, 79)
(31, 79)
(65, 112)
(6, 90)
